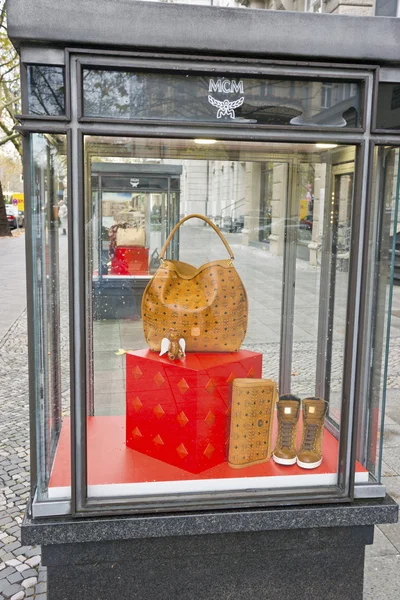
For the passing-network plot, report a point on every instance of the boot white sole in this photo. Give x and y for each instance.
(284, 461)
(309, 465)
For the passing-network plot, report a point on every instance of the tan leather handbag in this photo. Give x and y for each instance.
(206, 306)
(131, 236)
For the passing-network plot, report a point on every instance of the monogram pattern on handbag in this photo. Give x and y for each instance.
(207, 306)
(252, 415)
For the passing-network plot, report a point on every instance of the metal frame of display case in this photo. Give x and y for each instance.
(75, 126)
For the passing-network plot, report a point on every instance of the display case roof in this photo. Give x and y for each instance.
(158, 26)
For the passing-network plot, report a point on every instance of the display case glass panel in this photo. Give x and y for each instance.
(157, 426)
(240, 100)
(380, 329)
(50, 303)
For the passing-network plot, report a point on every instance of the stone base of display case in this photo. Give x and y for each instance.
(309, 552)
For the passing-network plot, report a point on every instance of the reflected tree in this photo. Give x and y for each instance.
(46, 90)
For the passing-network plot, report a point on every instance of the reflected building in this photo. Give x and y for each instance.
(257, 198)
(338, 7)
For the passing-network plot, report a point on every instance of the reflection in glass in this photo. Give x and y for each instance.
(388, 108)
(133, 95)
(246, 4)
(382, 332)
(131, 205)
(49, 209)
(336, 267)
(46, 90)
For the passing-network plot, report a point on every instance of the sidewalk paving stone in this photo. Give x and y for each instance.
(10, 590)
(15, 578)
(30, 582)
(18, 596)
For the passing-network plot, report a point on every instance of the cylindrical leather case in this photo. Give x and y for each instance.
(252, 415)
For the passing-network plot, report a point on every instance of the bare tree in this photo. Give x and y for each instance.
(9, 102)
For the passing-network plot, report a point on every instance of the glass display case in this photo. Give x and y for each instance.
(134, 206)
(212, 264)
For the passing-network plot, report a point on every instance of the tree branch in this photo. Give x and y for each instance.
(2, 15)
(9, 138)
(8, 62)
(14, 140)
(2, 76)
(9, 103)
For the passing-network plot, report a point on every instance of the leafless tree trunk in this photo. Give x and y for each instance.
(5, 230)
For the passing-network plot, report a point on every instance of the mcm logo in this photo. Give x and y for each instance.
(226, 86)
(134, 182)
(226, 108)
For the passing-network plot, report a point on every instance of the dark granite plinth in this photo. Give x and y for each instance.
(307, 563)
(62, 530)
(282, 553)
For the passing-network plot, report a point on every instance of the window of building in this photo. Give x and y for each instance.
(326, 95)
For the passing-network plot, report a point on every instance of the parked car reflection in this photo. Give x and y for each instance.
(306, 223)
(15, 217)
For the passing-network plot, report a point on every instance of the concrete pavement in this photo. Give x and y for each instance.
(12, 292)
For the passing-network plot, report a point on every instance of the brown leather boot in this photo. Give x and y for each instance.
(310, 453)
(288, 416)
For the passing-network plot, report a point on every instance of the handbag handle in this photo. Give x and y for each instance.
(203, 218)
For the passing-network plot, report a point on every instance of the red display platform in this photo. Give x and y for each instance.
(179, 411)
(113, 469)
(130, 260)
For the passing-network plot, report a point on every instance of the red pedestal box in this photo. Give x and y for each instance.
(179, 411)
(130, 260)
